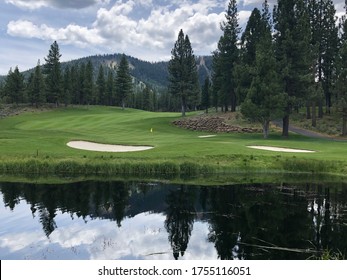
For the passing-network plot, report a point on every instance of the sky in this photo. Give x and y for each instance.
(146, 29)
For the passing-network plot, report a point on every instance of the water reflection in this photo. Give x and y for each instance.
(180, 216)
(125, 220)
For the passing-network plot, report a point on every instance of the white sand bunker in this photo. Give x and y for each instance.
(95, 147)
(207, 136)
(277, 149)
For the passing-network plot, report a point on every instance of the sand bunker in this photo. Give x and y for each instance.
(90, 146)
(277, 149)
(207, 136)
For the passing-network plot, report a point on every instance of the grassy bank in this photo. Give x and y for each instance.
(35, 143)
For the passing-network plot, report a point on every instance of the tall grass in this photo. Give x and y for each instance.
(99, 167)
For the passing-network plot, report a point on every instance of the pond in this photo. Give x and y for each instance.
(152, 221)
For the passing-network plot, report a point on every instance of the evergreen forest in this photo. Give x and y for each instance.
(288, 59)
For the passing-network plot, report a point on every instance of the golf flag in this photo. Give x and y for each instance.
(151, 129)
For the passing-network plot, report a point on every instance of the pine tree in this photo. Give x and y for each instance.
(243, 70)
(148, 102)
(123, 82)
(216, 81)
(341, 83)
(67, 95)
(14, 86)
(251, 36)
(2, 92)
(293, 52)
(206, 95)
(88, 83)
(183, 77)
(54, 75)
(74, 73)
(101, 86)
(81, 86)
(37, 95)
(192, 79)
(110, 99)
(225, 58)
(265, 100)
(324, 41)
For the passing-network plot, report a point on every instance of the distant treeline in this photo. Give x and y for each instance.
(92, 80)
(82, 83)
(286, 60)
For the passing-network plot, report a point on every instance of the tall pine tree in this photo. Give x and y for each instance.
(324, 41)
(265, 100)
(254, 31)
(89, 83)
(54, 81)
(205, 102)
(225, 58)
(101, 86)
(123, 82)
(37, 95)
(292, 38)
(110, 99)
(341, 83)
(183, 77)
(14, 86)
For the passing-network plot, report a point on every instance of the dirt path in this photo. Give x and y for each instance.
(309, 133)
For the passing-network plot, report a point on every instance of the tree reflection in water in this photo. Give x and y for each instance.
(180, 215)
(244, 221)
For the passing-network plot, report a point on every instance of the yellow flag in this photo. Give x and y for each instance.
(151, 129)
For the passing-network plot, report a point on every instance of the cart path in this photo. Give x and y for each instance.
(309, 133)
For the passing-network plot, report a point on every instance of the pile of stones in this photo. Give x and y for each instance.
(212, 124)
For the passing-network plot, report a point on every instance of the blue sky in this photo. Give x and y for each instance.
(146, 29)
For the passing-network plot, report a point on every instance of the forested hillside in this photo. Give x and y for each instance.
(153, 73)
(288, 60)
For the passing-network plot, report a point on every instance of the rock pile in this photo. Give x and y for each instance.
(212, 124)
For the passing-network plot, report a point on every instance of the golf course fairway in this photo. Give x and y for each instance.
(36, 143)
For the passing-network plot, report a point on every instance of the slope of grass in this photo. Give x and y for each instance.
(36, 143)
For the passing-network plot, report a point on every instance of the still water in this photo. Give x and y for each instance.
(132, 220)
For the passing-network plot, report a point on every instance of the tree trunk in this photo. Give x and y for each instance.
(266, 126)
(320, 110)
(183, 107)
(344, 121)
(328, 103)
(308, 111)
(314, 114)
(285, 129)
(233, 102)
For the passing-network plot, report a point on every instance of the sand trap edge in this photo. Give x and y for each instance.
(278, 149)
(207, 136)
(97, 147)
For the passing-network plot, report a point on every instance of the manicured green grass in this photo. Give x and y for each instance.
(36, 143)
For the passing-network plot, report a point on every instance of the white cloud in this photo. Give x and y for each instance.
(139, 237)
(146, 29)
(37, 4)
(71, 34)
(114, 29)
(28, 4)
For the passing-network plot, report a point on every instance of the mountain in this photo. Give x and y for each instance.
(152, 73)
